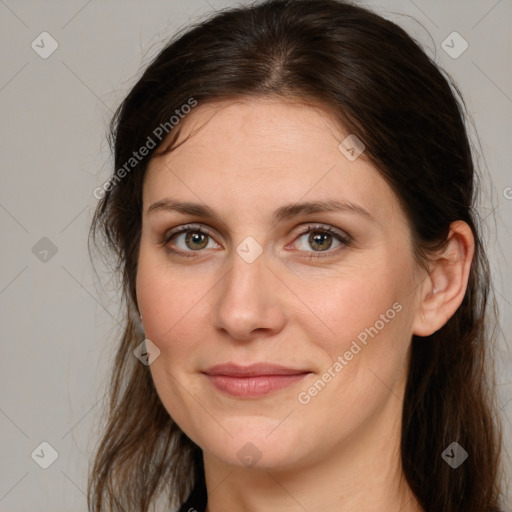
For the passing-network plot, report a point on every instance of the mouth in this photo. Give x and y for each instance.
(253, 381)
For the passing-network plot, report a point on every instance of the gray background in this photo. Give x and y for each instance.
(58, 327)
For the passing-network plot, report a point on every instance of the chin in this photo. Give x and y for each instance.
(257, 444)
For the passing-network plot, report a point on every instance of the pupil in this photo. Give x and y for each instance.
(319, 239)
(194, 239)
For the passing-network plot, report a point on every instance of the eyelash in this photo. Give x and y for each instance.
(345, 240)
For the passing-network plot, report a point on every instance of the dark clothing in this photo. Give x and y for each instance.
(196, 502)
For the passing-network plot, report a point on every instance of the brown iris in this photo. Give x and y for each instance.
(196, 240)
(322, 241)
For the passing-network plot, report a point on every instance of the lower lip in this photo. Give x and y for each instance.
(253, 387)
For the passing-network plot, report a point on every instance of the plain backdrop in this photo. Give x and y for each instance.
(58, 327)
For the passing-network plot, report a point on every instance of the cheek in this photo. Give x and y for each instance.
(176, 311)
(165, 302)
(374, 323)
(365, 347)
(366, 356)
(169, 310)
(359, 305)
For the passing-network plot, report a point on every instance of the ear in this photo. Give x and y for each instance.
(444, 289)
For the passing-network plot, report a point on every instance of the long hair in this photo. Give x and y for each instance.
(380, 85)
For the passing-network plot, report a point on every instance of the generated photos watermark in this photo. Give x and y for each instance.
(304, 397)
(352, 147)
(454, 455)
(249, 455)
(146, 352)
(159, 134)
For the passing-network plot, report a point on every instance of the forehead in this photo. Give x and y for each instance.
(264, 152)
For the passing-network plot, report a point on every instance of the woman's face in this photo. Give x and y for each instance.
(229, 277)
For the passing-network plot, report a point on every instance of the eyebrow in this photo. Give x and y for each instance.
(282, 213)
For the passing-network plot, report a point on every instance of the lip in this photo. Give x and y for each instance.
(252, 381)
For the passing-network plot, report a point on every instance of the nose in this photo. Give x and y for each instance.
(248, 302)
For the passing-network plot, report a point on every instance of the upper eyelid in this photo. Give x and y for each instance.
(187, 227)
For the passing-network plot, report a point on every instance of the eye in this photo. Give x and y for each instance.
(321, 239)
(318, 240)
(189, 238)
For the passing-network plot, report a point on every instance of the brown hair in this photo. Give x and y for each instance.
(380, 85)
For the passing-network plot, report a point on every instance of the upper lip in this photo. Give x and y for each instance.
(252, 370)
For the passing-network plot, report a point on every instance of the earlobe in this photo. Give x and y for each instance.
(443, 291)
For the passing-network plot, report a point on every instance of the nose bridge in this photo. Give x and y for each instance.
(246, 277)
(245, 301)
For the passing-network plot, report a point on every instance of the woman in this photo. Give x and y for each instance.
(292, 216)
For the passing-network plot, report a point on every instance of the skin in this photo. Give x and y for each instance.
(245, 159)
